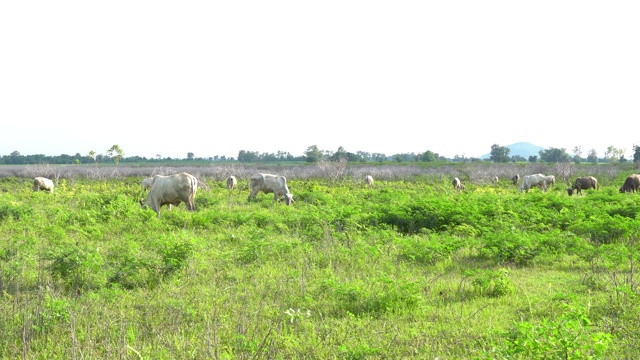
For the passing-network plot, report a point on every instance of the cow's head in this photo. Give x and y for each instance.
(570, 191)
(288, 199)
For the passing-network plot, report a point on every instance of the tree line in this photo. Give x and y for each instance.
(498, 154)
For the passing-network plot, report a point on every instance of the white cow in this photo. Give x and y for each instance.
(172, 190)
(530, 181)
(42, 183)
(551, 180)
(457, 184)
(268, 183)
(369, 180)
(232, 182)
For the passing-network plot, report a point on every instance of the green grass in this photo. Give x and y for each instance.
(407, 269)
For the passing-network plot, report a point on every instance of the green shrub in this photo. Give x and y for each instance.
(567, 337)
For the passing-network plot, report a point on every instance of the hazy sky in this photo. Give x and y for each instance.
(217, 77)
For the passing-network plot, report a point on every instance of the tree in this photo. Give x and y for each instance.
(248, 156)
(339, 155)
(116, 153)
(533, 158)
(592, 156)
(190, 155)
(92, 155)
(636, 154)
(313, 154)
(613, 154)
(554, 155)
(577, 154)
(499, 154)
(428, 156)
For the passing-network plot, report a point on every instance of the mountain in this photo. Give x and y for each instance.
(524, 149)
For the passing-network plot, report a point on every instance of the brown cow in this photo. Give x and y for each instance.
(631, 184)
(584, 182)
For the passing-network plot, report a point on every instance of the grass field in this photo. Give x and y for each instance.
(409, 268)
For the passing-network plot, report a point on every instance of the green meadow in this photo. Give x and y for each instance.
(409, 268)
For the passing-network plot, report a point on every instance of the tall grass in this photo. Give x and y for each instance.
(407, 269)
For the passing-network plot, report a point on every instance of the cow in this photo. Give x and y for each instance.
(171, 190)
(515, 178)
(530, 181)
(269, 183)
(457, 184)
(584, 182)
(631, 184)
(232, 182)
(551, 180)
(369, 180)
(42, 183)
(146, 183)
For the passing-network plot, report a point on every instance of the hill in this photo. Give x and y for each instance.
(524, 149)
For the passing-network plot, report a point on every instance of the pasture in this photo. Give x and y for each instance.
(406, 268)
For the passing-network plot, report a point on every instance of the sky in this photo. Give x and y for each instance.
(216, 77)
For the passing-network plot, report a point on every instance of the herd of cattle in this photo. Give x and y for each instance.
(174, 189)
(631, 184)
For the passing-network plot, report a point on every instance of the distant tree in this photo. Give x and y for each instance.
(158, 156)
(533, 158)
(116, 153)
(428, 156)
(313, 154)
(379, 157)
(499, 154)
(248, 156)
(622, 159)
(554, 155)
(613, 154)
(577, 154)
(364, 155)
(340, 154)
(636, 154)
(190, 155)
(92, 155)
(517, 158)
(592, 156)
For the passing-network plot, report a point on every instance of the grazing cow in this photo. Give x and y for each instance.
(457, 184)
(515, 179)
(42, 183)
(551, 180)
(172, 190)
(146, 183)
(268, 183)
(369, 180)
(584, 182)
(632, 184)
(232, 182)
(530, 181)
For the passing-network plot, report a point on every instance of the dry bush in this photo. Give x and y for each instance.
(476, 173)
